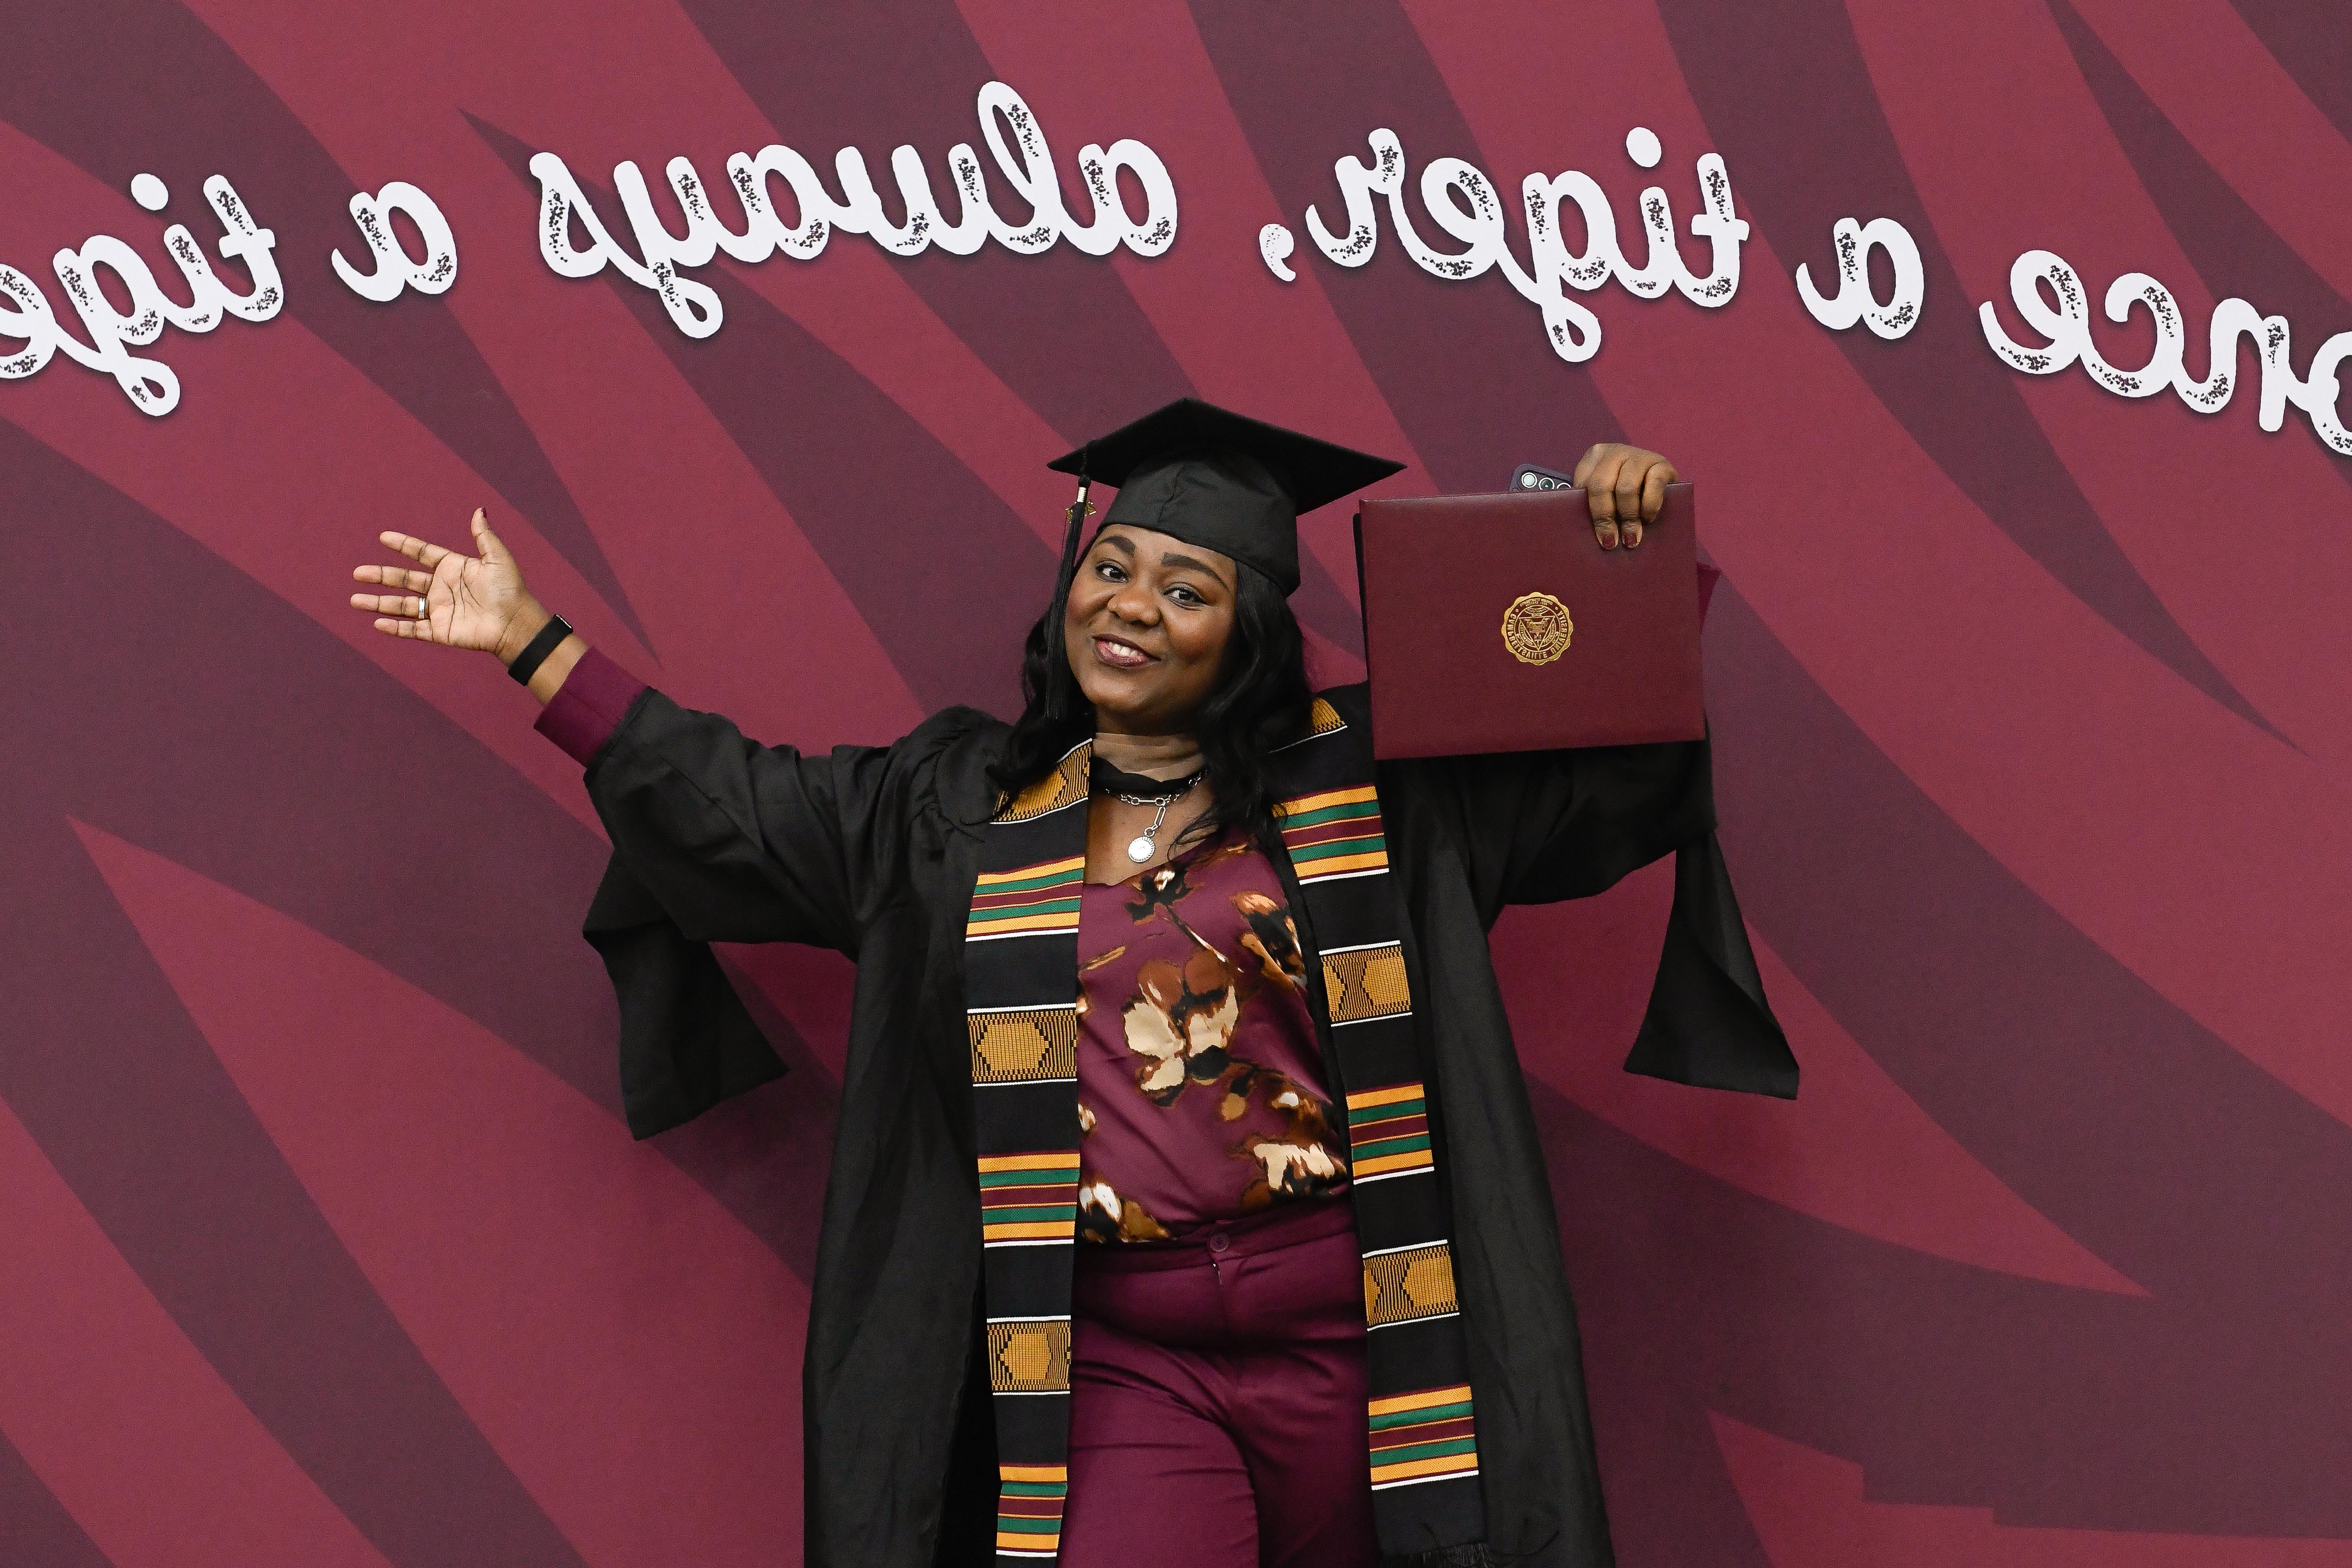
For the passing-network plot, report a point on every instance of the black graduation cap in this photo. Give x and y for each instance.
(1213, 478)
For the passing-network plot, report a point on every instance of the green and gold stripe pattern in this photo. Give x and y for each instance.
(1422, 1452)
(1021, 993)
(1423, 1435)
(1029, 1198)
(1029, 900)
(1029, 1501)
(1388, 1131)
(1334, 833)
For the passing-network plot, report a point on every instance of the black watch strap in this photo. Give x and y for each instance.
(535, 652)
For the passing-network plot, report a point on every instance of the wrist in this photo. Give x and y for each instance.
(524, 625)
(556, 668)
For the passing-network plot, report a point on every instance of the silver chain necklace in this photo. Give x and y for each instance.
(1145, 845)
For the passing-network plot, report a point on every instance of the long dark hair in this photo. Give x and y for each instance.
(1261, 702)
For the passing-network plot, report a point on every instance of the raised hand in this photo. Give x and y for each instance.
(463, 601)
(1623, 489)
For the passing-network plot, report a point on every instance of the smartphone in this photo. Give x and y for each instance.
(1535, 477)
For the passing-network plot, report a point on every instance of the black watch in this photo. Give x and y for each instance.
(534, 652)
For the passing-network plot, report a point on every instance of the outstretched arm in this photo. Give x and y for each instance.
(715, 837)
(465, 601)
(736, 840)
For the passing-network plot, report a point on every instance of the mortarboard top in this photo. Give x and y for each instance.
(1216, 478)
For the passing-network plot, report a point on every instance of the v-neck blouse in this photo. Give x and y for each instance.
(1200, 1091)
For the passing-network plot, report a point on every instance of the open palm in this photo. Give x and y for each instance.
(464, 601)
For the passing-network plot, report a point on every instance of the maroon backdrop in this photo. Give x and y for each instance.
(321, 1238)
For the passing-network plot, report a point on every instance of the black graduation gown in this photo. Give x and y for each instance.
(873, 852)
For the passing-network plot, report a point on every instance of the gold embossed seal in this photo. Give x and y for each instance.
(1536, 628)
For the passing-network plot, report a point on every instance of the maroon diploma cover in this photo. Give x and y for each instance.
(1496, 623)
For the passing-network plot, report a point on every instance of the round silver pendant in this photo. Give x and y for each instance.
(1139, 850)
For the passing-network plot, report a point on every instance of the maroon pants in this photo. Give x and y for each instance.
(1217, 1399)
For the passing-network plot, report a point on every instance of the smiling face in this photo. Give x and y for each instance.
(1146, 627)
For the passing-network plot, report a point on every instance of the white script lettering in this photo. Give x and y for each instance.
(1854, 301)
(1014, 140)
(1461, 200)
(151, 385)
(396, 269)
(2062, 316)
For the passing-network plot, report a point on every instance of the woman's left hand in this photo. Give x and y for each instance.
(1625, 486)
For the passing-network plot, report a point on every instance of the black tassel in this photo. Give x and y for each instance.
(1060, 683)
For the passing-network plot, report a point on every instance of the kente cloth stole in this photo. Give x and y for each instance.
(1021, 953)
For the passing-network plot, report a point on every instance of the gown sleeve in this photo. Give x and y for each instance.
(716, 838)
(1540, 826)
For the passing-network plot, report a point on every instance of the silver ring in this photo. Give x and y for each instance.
(424, 611)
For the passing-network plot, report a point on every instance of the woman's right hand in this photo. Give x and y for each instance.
(464, 601)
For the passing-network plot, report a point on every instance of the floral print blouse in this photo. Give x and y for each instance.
(1200, 1095)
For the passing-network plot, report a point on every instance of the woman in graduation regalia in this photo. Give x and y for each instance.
(1185, 1203)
